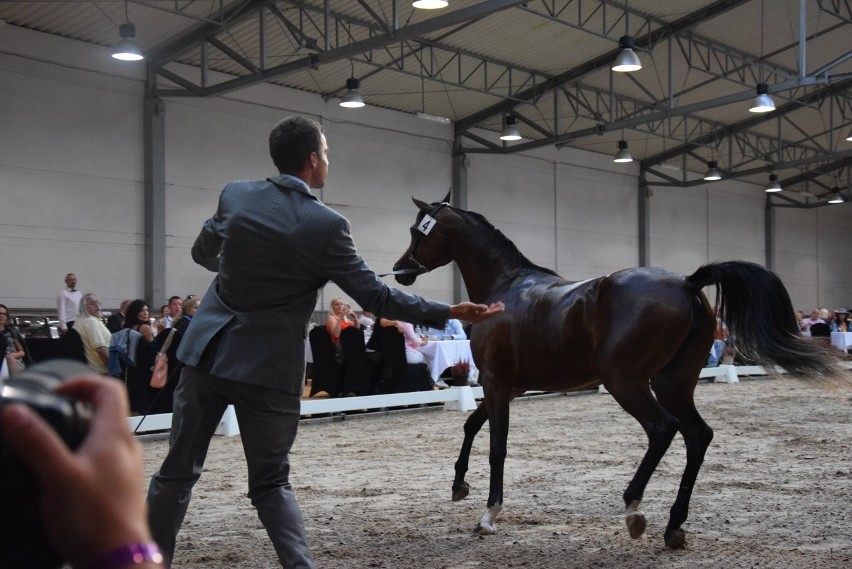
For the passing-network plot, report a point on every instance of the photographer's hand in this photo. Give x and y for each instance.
(92, 500)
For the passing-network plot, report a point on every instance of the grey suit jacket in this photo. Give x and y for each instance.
(273, 246)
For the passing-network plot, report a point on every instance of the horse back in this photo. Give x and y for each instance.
(560, 335)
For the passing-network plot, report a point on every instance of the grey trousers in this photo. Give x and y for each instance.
(268, 421)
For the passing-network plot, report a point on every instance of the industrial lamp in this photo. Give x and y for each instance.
(713, 172)
(510, 131)
(762, 103)
(126, 49)
(352, 99)
(430, 4)
(623, 154)
(773, 186)
(627, 60)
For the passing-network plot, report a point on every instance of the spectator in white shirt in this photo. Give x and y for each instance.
(811, 320)
(452, 331)
(68, 303)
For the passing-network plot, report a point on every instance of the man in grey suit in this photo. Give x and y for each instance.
(273, 245)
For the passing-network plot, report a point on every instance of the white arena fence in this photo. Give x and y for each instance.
(453, 398)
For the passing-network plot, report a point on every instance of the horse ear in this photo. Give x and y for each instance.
(422, 205)
(447, 199)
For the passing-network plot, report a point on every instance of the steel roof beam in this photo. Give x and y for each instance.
(602, 61)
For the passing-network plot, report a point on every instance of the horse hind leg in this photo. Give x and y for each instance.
(660, 427)
(471, 428)
(675, 394)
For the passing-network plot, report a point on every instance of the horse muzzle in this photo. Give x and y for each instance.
(407, 270)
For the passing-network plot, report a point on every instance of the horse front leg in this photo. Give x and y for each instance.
(498, 422)
(471, 428)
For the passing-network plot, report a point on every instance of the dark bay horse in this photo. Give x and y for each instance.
(643, 333)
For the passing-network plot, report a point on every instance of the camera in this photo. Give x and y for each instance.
(23, 542)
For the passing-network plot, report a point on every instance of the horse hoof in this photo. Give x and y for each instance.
(676, 540)
(636, 524)
(485, 529)
(460, 491)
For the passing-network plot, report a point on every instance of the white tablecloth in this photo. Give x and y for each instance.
(441, 354)
(841, 340)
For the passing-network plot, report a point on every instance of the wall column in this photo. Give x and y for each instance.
(155, 200)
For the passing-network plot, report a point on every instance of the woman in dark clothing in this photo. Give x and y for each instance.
(139, 389)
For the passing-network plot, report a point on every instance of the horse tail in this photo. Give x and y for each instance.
(755, 306)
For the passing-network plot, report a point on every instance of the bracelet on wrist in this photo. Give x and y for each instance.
(129, 554)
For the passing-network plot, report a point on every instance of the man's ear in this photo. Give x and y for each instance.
(313, 159)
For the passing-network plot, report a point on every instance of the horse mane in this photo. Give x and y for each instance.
(499, 240)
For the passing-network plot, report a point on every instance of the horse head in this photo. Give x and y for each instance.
(430, 242)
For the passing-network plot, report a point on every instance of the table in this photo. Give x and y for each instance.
(441, 354)
(841, 340)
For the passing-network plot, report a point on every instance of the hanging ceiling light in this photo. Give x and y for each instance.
(713, 172)
(849, 138)
(510, 131)
(623, 155)
(762, 103)
(627, 60)
(773, 186)
(836, 196)
(352, 99)
(430, 4)
(126, 49)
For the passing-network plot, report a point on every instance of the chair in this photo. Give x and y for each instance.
(72, 347)
(140, 394)
(403, 375)
(821, 333)
(820, 330)
(327, 371)
(359, 374)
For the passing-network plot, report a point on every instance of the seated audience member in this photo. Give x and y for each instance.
(720, 341)
(163, 321)
(93, 512)
(811, 320)
(839, 323)
(138, 379)
(366, 319)
(340, 317)
(95, 335)
(188, 308)
(452, 331)
(173, 311)
(413, 342)
(799, 317)
(14, 350)
(115, 322)
(138, 319)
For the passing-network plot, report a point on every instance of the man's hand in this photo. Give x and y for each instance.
(473, 312)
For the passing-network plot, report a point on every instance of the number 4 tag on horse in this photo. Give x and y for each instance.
(426, 224)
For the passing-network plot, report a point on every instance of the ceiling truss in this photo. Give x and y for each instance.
(559, 108)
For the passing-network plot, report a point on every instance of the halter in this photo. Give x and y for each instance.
(422, 228)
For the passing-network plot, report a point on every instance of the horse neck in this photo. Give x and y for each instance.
(485, 264)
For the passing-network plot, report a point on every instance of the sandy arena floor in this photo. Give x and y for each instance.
(775, 490)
